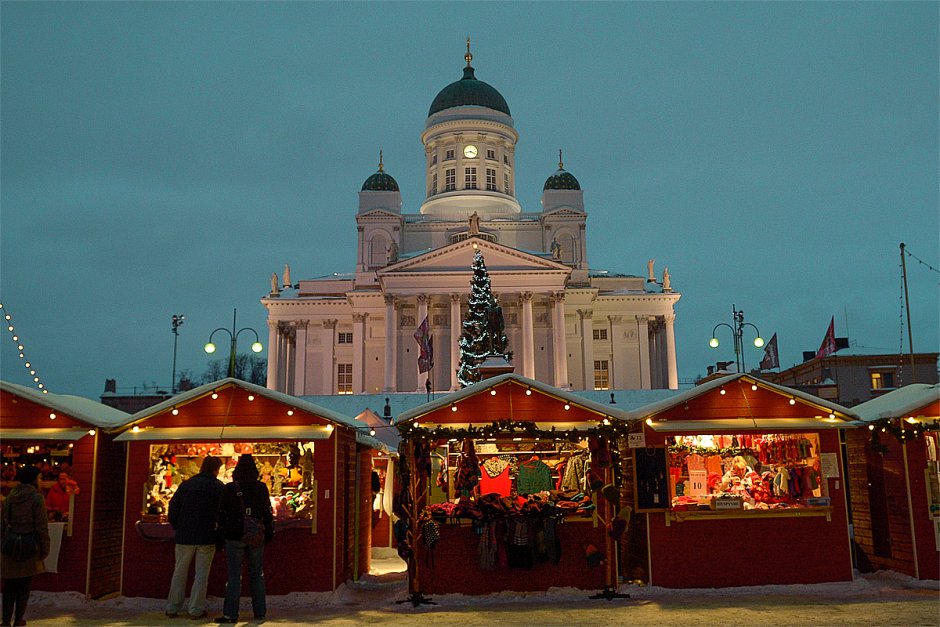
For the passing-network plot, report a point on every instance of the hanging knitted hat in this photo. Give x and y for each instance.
(617, 527)
(593, 555)
(611, 493)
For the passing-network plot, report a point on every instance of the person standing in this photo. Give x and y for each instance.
(194, 514)
(245, 502)
(24, 512)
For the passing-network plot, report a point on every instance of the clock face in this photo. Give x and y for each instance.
(470, 151)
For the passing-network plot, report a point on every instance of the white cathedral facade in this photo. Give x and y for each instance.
(567, 325)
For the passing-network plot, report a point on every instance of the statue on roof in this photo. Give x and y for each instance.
(391, 252)
(667, 281)
(556, 249)
(286, 276)
(651, 273)
(274, 286)
(474, 224)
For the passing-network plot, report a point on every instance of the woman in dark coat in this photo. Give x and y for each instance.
(244, 496)
(24, 511)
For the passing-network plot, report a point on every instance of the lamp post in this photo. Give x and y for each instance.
(177, 323)
(737, 332)
(233, 335)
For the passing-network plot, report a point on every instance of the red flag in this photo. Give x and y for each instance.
(424, 340)
(828, 345)
(771, 358)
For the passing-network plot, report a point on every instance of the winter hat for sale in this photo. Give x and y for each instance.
(617, 527)
(593, 555)
(595, 481)
(611, 493)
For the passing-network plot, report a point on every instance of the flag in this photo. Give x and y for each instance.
(828, 345)
(771, 358)
(424, 340)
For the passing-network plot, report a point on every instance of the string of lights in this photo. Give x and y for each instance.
(8, 320)
(920, 261)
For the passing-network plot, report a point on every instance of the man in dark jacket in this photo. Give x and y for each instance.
(194, 514)
(245, 496)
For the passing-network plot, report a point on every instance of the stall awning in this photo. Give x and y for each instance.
(746, 424)
(545, 426)
(230, 433)
(44, 434)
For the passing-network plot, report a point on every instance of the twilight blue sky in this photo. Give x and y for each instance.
(162, 158)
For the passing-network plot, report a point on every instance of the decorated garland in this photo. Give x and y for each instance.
(413, 431)
(901, 432)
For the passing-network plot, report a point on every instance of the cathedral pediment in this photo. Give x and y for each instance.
(379, 213)
(565, 212)
(458, 257)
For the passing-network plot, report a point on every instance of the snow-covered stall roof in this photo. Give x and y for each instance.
(80, 408)
(899, 402)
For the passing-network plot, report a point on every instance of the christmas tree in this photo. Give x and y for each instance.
(483, 332)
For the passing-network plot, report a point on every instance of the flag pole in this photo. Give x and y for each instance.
(907, 304)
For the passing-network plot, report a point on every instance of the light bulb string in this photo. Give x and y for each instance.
(8, 323)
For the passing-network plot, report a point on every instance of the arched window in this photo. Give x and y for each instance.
(570, 248)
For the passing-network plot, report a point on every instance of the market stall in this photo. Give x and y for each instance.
(740, 482)
(81, 474)
(895, 487)
(509, 485)
(315, 462)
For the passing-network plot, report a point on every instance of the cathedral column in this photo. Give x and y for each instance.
(391, 344)
(455, 328)
(586, 317)
(643, 335)
(273, 355)
(300, 369)
(616, 353)
(673, 374)
(422, 314)
(283, 358)
(656, 353)
(528, 337)
(359, 350)
(290, 354)
(559, 345)
(361, 262)
(328, 341)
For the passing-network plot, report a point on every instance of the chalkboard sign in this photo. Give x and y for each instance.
(650, 479)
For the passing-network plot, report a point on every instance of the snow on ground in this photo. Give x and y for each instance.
(882, 598)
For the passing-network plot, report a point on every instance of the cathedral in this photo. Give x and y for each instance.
(568, 325)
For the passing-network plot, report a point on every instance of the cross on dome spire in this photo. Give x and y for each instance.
(561, 164)
(380, 160)
(469, 55)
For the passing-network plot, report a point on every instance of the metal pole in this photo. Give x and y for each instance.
(907, 304)
(231, 359)
(176, 336)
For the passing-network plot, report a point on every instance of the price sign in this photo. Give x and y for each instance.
(697, 482)
(636, 440)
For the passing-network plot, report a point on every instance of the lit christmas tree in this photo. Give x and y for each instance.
(483, 330)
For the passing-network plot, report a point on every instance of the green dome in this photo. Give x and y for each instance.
(380, 182)
(469, 91)
(561, 180)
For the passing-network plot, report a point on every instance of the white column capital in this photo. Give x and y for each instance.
(329, 323)
(615, 319)
(359, 317)
(389, 299)
(455, 298)
(670, 318)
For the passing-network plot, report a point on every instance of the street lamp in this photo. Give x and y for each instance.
(737, 332)
(233, 334)
(177, 323)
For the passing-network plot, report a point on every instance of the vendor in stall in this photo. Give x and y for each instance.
(57, 500)
(740, 478)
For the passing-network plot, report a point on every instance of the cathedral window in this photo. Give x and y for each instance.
(433, 184)
(600, 334)
(434, 159)
(491, 154)
(344, 337)
(601, 375)
(344, 378)
(506, 159)
(491, 180)
(470, 178)
(506, 189)
(449, 154)
(450, 179)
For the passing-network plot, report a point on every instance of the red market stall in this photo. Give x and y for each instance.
(59, 433)
(895, 488)
(780, 518)
(501, 486)
(315, 462)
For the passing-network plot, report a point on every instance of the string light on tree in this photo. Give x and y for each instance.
(8, 320)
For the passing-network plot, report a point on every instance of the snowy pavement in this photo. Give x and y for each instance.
(878, 599)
